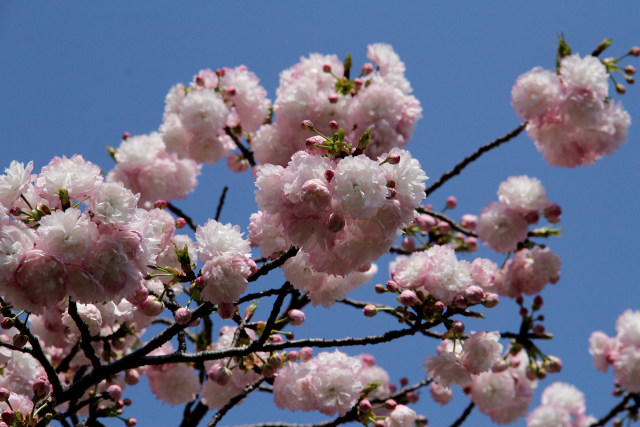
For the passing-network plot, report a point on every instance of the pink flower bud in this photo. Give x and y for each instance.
(231, 91)
(425, 222)
(268, 371)
(393, 159)
(621, 89)
(630, 69)
(634, 51)
(408, 243)
(183, 316)
(326, 68)
(151, 306)
(329, 174)
(413, 397)
(390, 404)
(160, 204)
(474, 294)
(292, 356)
(538, 329)
(132, 376)
(439, 306)
(225, 310)
(469, 221)
(131, 422)
(199, 81)
(532, 217)
(553, 212)
(404, 381)
(408, 298)
(305, 354)
(312, 142)
(444, 227)
(393, 388)
(236, 162)
(139, 295)
(41, 386)
(537, 302)
(392, 286)
(333, 98)
(4, 394)
(523, 311)
(457, 327)
(221, 72)
(554, 364)
(275, 361)
(336, 222)
(219, 374)
(364, 405)
(126, 136)
(7, 323)
(358, 83)
(8, 417)
(333, 125)
(472, 244)
(115, 392)
(370, 310)
(367, 69)
(296, 317)
(276, 338)
(199, 282)
(306, 125)
(451, 202)
(181, 223)
(460, 301)
(20, 340)
(491, 300)
(15, 211)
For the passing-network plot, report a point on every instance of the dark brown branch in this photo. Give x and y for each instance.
(221, 202)
(271, 321)
(272, 265)
(247, 153)
(234, 401)
(180, 214)
(262, 294)
(449, 221)
(192, 419)
(620, 407)
(474, 156)
(463, 416)
(165, 321)
(85, 336)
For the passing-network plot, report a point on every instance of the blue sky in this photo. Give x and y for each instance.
(74, 76)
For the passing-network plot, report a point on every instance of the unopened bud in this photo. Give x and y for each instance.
(370, 310)
(126, 136)
(630, 69)
(364, 406)
(621, 89)
(413, 397)
(444, 227)
(523, 311)
(131, 422)
(474, 294)
(491, 300)
(326, 68)
(554, 364)
(451, 202)
(358, 83)
(296, 317)
(219, 374)
(199, 81)
(460, 301)
(181, 223)
(183, 316)
(8, 417)
(367, 69)
(457, 327)
(4, 394)
(132, 376)
(630, 80)
(425, 222)
(329, 174)
(472, 244)
(306, 353)
(537, 302)
(408, 298)
(393, 159)
(532, 217)
(41, 386)
(115, 392)
(306, 125)
(225, 310)
(333, 125)
(160, 204)
(469, 221)
(392, 286)
(634, 51)
(151, 306)
(408, 243)
(15, 211)
(333, 98)
(538, 329)
(20, 340)
(292, 356)
(7, 323)
(390, 404)
(379, 288)
(221, 72)
(231, 91)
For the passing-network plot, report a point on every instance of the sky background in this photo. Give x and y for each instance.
(74, 76)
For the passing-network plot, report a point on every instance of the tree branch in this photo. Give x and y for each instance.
(464, 415)
(234, 401)
(85, 335)
(221, 202)
(248, 154)
(272, 265)
(474, 156)
(179, 213)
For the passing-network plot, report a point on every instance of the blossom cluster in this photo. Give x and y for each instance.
(319, 89)
(344, 213)
(569, 114)
(563, 405)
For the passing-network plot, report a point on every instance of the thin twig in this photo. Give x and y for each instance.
(85, 335)
(469, 159)
(464, 415)
(272, 265)
(221, 202)
(248, 154)
(234, 401)
(271, 321)
(449, 221)
(180, 214)
(165, 321)
(620, 407)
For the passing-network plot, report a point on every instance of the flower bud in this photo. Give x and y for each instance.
(41, 386)
(326, 68)
(491, 300)
(413, 397)
(8, 417)
(621, 89)
(225, 310)
(553, 213)
(333, 125)
(392, 286)
(336, 222)
(367, 69)
(425, 222)
(537, 302)
(408, 243)
(333, 98)
(115, 391)
(393, 159)
(305, 354)
(460, 301)
(532, 217)
(306, 125)
(7, 323)
(329, 174)
(474, 294)
(634, 51)
(630, 69)
(151, 306)
(407, 298)
(132, 376)
(139, 294)
(390, 404)
(230, 91)
(469, 221)
(370, 310)
(296, 317)
(444, 227)
(292, 356)
(472, 244)
(457, 327)
(221, 72)
(125, 136)
(538, 329)
(181, 223)
(183, 316)
(4, 394)
(219, 374)
(160, 204)
(451, 202)
(131, 422)
(553, 364)
(19, 340)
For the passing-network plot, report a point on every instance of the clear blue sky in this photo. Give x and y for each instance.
(75, 75)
